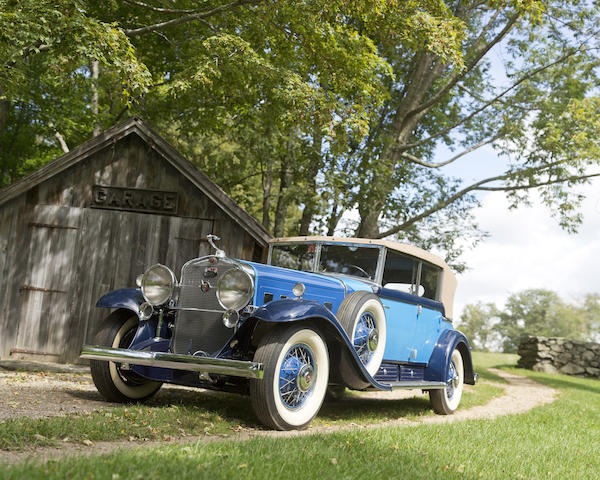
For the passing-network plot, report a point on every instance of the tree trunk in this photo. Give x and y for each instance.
(310, 199)
(95, 100)
(427, 69)
(283, 199)
(267, 183)
(4, 106)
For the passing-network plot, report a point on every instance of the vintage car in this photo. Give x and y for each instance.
(322, 313)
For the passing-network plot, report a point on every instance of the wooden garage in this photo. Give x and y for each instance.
(90, 222)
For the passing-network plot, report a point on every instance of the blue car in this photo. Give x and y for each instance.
(323, 313)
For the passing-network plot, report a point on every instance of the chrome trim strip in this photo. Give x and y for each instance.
(418, 384)
(194, 309)
(223, 366)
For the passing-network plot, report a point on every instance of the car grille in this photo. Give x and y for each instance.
(200, 332)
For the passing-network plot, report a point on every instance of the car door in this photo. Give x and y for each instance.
(429, 321)
(399, 301)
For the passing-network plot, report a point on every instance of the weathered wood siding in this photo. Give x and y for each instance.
(58, 256)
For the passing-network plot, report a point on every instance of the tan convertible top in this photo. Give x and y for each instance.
(447, 281)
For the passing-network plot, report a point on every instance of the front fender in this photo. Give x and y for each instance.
(127, 298)
(296, 310)
(440, 358)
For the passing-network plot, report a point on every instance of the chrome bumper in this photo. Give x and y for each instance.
(223, 366)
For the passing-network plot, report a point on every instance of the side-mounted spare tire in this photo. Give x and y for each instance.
(362, 316)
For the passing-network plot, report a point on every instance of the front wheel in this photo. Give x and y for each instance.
(112, 381)
(296, 373)
(446, 400)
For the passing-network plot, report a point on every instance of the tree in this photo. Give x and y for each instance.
(530, 312)
(307, 110)
(541, 117)
(477, 323)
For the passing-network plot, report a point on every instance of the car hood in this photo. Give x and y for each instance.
(275, 283)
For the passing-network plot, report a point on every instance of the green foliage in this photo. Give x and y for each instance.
(305, 111)
(530, 312)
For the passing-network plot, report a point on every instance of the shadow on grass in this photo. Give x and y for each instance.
(237, 409)
(356, 409)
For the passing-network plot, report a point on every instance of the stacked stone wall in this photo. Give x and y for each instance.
(560, 355)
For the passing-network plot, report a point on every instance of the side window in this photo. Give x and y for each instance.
(430, 277)
(400, 272)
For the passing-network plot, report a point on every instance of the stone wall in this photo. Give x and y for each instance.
(560, 355)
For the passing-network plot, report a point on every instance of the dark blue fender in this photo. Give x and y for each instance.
(438, 362)
(128, 298)
(296, 310)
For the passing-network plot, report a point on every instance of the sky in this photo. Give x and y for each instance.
(527, 249)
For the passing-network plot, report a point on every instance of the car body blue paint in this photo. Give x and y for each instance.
(437, 367)
(401, 319)
(428, 327)
(409, 298)
(285, 311)
(279, 282)
(128, 298)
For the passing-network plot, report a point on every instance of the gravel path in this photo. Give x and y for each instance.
(43, 395)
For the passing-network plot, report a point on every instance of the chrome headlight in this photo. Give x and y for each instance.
(235, 289)
(157, 284)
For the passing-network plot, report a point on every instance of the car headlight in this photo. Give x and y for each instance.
(235, 289)
(157, 284)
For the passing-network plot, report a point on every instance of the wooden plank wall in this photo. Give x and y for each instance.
(71, 268)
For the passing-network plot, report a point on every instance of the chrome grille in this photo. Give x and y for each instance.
(200, 330)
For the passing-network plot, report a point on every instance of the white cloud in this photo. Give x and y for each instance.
(527, 249)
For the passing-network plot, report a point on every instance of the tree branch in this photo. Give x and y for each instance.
(423, 163)
(189, 18)
(490, 102)
(159, 9)
(539, 184)
(480, 186)
(458, 77)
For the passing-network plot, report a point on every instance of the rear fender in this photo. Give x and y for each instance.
(311, 311)
(440, 358)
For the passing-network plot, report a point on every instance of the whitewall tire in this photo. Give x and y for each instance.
(296, 373)
(445, 401)
(115, 384)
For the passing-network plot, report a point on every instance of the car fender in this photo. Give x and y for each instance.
(297, 310)
(127, 298)
(439, 360)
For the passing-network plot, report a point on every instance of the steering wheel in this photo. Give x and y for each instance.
(361, 270)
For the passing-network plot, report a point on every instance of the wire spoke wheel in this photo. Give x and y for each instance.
(296, 373)
(445, 401)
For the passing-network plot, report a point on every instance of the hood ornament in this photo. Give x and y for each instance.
(212, 239)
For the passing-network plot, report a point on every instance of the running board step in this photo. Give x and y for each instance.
(415, 385)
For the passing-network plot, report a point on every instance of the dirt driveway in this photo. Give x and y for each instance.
(46, 395)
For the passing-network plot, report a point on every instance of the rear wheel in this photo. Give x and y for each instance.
(446, 401)
(296, 372)
(112, 381)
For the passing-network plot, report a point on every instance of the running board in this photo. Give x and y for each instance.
(416, 385)
(223, 366)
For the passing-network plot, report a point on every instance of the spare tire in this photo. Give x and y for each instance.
(362, 316)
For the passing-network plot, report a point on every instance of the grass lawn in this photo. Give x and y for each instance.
(559, 440)
(204, 413)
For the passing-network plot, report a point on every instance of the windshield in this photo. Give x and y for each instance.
(298, 256)
(349, 260)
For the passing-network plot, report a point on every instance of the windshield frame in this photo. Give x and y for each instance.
(317, 257)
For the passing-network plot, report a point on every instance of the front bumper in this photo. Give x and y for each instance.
(175, 361)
